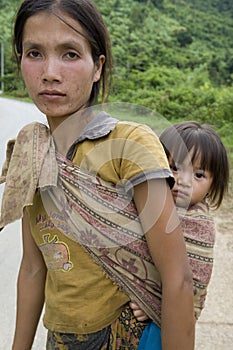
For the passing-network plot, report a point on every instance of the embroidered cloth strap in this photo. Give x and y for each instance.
(199, 232)
(105, 222)
(30, 163)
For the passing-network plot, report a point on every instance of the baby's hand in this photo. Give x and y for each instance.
(138, 313)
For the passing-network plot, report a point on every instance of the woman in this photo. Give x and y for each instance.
(64, 52)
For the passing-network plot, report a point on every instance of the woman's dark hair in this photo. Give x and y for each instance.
(181, 138)
(88, 16)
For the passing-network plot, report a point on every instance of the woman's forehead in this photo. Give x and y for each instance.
(58, 21)
(48, 30)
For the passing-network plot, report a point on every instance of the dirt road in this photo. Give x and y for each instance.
(215, 326)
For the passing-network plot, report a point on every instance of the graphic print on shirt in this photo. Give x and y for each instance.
(56, 254)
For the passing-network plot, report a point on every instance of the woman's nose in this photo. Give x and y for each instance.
(51, 71)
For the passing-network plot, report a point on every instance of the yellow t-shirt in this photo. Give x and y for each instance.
(79, 297)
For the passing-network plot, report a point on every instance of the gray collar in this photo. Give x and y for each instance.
(101, 125)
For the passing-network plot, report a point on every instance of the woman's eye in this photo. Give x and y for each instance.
(72, 55)
(34, 54)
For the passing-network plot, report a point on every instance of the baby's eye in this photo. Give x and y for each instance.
(199, 175)
(174, 168)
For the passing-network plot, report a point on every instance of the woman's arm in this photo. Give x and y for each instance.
(167, 247)
(30, 290)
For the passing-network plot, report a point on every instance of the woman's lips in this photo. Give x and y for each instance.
(51, 94)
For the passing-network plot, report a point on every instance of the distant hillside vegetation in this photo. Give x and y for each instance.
(174, 56)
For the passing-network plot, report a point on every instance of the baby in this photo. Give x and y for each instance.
(198, 160)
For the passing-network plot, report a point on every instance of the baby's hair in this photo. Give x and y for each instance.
(181, 138)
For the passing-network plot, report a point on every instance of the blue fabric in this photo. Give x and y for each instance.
(151, 338)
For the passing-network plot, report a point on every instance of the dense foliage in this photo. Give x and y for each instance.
(173, 56)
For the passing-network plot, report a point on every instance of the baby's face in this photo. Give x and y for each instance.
(191, 182)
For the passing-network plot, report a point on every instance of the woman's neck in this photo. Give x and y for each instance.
(65, 131)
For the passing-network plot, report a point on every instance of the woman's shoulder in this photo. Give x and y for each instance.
(129, 127)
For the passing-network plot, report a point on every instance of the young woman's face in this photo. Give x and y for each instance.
(57, 65)
(192, 183)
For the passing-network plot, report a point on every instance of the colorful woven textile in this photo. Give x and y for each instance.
(30, 163)
(199, 232)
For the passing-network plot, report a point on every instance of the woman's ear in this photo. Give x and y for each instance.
(98, 68)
